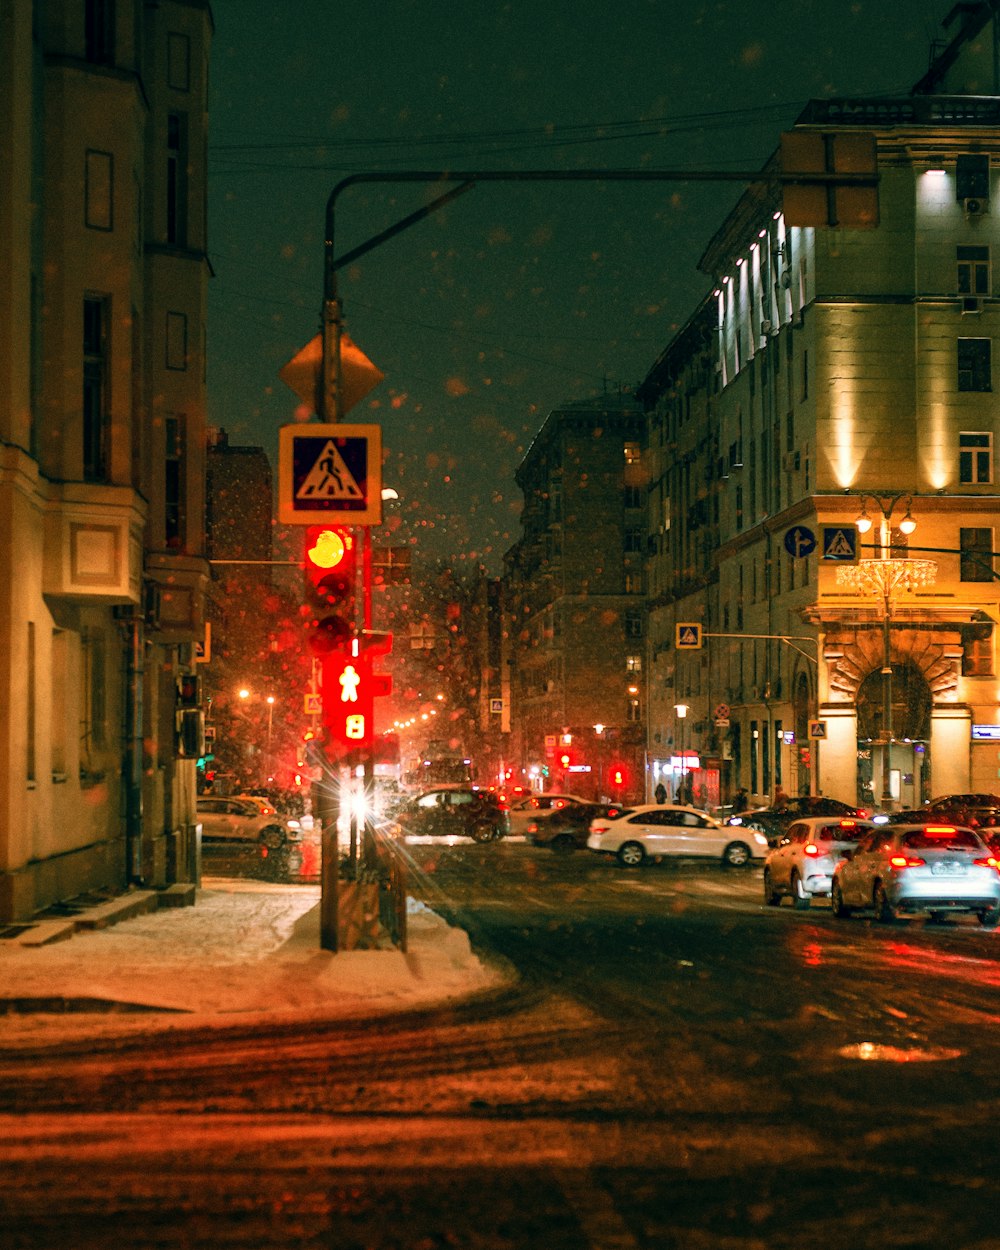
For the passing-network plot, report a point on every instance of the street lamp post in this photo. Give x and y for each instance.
(681, 709)
(887, 576)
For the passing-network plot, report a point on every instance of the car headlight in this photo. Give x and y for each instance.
(293, 824)
(736, 820)
(759, 838)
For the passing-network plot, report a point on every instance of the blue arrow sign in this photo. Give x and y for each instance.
(800, 541)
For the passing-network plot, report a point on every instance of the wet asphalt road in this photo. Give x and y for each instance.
(676, 1065)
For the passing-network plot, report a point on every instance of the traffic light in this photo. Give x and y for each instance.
(348, 698)
(331, 575)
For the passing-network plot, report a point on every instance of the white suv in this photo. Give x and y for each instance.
(801, 864)
(247, 819)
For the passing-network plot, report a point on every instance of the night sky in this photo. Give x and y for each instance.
(517, 297)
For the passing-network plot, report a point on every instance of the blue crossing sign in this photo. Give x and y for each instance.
(689, 636)
(840, 542)
(330, 473)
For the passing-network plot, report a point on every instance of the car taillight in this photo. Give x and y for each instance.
(989, 862)
(810, 848)
(848, 824)
(907, 861)
(533, 827)
(599, 828)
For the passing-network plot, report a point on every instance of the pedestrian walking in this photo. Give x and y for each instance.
(660, 793)
(741, 800)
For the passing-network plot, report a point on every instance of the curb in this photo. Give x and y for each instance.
(43, 932)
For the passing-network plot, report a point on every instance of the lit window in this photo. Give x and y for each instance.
(975, 458)
(976, 558)
(973, 271)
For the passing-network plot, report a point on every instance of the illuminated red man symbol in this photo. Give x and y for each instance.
(349, 679)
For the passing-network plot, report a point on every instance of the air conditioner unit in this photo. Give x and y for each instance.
(974, 206)
(971, 304)
(791, 461)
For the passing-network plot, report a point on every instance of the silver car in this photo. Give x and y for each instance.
(934, 868)
(801, 864)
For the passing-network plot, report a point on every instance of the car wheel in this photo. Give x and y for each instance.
(800, 898)
(483, 833)
(989, 918)
(631, 855)
(736, 855)
(885, 913)
(564, 842)
(272, 837)
(772, 897)
(837, 904)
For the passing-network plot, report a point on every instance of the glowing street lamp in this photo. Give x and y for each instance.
(681, 711)
(887, 576)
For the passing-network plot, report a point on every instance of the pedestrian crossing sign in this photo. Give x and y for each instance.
(330, 473)
(840, 542)
(688, 636)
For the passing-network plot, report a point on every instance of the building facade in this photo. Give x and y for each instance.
(834, 375)
(103, 275)
(575, 603)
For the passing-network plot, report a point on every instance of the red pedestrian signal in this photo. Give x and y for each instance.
(331, 574)
(348, 698)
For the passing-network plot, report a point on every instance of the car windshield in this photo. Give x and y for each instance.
(938, 840)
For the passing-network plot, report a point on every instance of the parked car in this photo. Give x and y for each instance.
(537, 808)
(568, 828)
(929, 867)
(247, 819)
(452, 811)
(801, 864)
(975, 811)
(773, 821)
(654, 830)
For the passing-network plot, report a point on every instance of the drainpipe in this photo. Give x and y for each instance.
(132, 762)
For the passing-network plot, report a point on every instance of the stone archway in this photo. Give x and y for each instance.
(852, 653)
(911, 705)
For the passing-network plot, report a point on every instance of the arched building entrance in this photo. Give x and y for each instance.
(901, 756)
(925, 663)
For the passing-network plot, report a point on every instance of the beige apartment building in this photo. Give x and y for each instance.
(103, 275)
(834, 375)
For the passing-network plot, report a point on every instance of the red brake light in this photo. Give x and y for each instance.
(990, 862)
(599, 828)
(940, 829)
(848, 824)
(907, 861)
(810, 848)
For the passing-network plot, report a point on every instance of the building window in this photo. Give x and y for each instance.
(633, 541)
(633, 710)
(177, 327)
(177, 163)
(976, 558)
(633, 583)
(633, 454)
(975, 458)
(977, 649)
(98, 193)
(633, 663)
(973, 271)
(178, 62)
(173, 493)
(99, 31)
(974, 365)
(95, 387)
(93, 729)
(633, 497)
(805, 374)
(633, 624)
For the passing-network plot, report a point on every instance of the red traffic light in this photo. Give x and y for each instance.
(331, 573)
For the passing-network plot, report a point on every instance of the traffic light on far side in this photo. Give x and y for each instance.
(331, 570)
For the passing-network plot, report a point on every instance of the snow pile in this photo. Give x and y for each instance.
(244, 948)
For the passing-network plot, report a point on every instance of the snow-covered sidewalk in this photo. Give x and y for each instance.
(246, 948)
